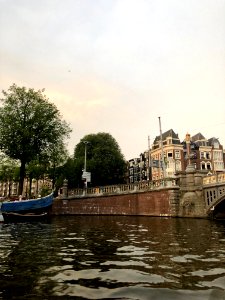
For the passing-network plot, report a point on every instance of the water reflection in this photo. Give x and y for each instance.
(113, 258)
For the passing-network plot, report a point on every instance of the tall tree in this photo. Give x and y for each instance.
(103, 159)
(57, 157)
(29, 124)
(9, 171)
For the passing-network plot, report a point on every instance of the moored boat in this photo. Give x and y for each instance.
(12, 217)
(27, 210)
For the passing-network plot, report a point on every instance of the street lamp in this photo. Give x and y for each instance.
(85, 160)
(162, 152)
(149, 160)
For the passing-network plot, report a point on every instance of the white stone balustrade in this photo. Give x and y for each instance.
(212, 179)
(122, 188)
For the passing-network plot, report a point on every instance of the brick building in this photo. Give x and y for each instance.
(204, 154)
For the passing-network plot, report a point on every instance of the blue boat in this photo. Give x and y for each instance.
(27, 210)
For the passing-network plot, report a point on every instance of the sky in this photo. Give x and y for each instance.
(116, 66)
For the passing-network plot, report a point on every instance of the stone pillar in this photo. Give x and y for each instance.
(174, 197)
(198, 179)
(192, 203)
(190, 179)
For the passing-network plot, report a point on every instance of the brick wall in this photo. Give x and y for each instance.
(153, 203)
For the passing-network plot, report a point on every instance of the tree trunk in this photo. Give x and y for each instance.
(53, 177)
(22, 175)
(37, 192)
(30, 186)
(10, 184)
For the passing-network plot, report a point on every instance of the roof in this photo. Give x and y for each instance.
(169, 133)
(213, 140)
(198, 137)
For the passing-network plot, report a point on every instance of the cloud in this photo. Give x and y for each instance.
(117, 65)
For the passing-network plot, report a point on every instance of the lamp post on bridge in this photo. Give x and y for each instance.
(85, 175)
(149, 161)
(162, 152)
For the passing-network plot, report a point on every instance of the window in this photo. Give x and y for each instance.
(216, 145)
(193, 155)
(177, 154)
(208, 155)
(203, 166)
(169, 154)
(208, 166)
(202, 155)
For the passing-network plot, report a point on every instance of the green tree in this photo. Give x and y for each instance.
(29, 124)
(48, 166)
(35, 170)
(70, 172)
(8, 171)
(58, 155)
(103, 159)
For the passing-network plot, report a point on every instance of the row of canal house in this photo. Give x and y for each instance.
(35, 188)
(204, 154)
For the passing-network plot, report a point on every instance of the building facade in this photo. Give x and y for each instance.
(166, 155)
(10, 189)
(205, 154)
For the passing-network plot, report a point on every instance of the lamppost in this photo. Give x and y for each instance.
(149, 160)
(85, 162)
(162, 152)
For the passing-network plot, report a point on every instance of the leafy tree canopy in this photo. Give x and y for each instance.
(8, 168)
(29, 125)
(103, 159)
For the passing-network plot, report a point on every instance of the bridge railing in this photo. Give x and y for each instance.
(122, 188)
(212, 179)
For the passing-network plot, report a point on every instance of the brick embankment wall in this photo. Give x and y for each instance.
(153, 203)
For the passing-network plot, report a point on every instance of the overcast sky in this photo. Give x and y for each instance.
(117, 65)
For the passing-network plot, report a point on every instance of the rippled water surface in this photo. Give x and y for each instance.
(91, 257)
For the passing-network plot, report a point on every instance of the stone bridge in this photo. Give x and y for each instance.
(214, 194)
(188, 194)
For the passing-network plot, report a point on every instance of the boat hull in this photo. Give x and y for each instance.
(27, 210)
(15, 217)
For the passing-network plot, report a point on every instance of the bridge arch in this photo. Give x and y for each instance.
(217, 208)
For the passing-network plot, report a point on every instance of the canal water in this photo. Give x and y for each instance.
(92, 257)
